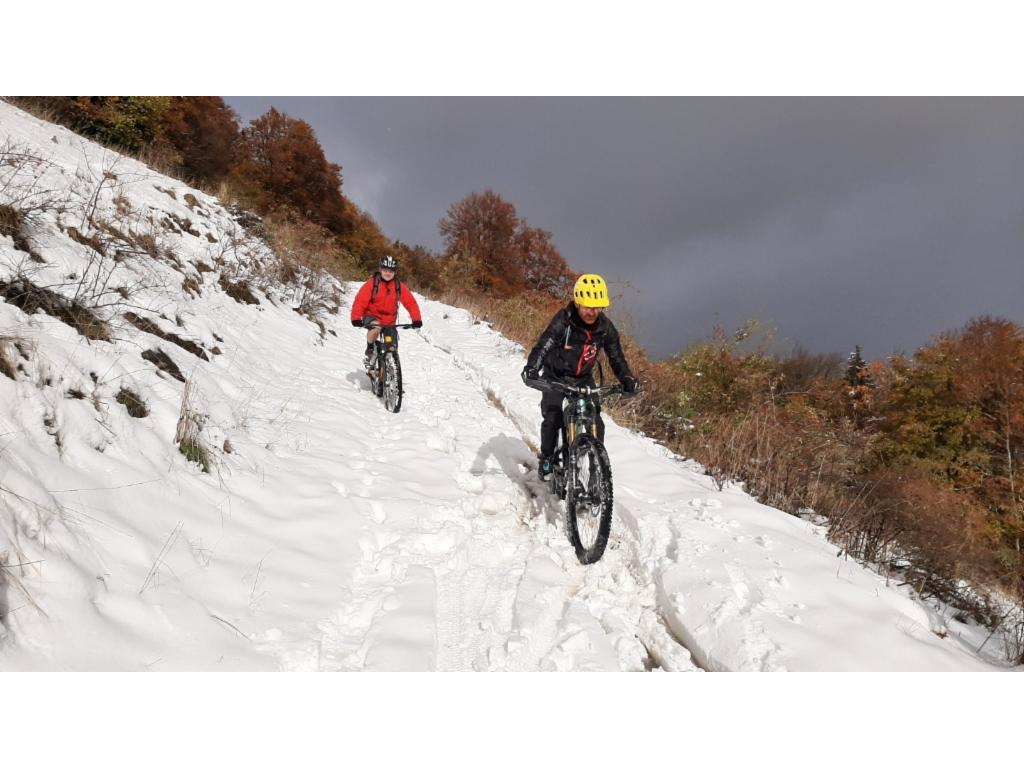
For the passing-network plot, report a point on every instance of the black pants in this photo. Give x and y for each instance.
(552, 424)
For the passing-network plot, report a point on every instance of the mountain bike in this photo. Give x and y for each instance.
(385, 369)
(581, 473)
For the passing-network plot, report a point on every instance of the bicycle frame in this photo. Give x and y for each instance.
(579, 416)
(387, 341)
(385, 348)
(581, 476)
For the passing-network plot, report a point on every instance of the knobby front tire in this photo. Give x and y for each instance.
(588, 498)
(392, 382)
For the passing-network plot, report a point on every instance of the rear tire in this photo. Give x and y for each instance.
(392, 382)
(588, 498)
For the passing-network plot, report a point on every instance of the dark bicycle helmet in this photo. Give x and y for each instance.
(388, 262)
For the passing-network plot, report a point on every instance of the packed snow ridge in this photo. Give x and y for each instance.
(329, 534)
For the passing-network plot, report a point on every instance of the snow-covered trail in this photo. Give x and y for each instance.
(462, 563)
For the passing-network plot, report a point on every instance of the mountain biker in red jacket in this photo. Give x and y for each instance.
(567, 351)
(376, 303)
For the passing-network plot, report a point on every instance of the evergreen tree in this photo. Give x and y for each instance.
(856, 368)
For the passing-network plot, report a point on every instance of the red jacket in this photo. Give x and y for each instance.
(385, 305)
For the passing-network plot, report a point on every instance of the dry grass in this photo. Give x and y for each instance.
(148, 326)
(7, 367)
(300, 243)
(12, 225)
(92, 241)
(162, 361)
(188, 435)
(521, 318)
(32, 298)
(238, 290)
(136, 406)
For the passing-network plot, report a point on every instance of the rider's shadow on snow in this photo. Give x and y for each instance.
(519, 465)
(360, 378)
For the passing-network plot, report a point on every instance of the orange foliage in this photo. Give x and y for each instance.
(544, 269)
(480, 234)
(497, 253)
(281, 163)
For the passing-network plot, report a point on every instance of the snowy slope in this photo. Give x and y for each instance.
(333, 535)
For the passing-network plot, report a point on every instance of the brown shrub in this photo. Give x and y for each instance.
(936, 538)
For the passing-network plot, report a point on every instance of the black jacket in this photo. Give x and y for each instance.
(568, 348)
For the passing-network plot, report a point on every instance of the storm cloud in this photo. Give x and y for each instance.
(837, 221)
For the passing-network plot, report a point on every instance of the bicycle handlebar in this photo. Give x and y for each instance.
(399, 325)
(553, 385)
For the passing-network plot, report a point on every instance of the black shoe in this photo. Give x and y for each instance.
(544, 467)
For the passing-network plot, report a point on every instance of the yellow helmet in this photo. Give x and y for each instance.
(591, 291)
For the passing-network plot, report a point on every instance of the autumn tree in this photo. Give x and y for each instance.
(500, 254)
(991, 352)
(544, 269)
(418, 265)
(281, 163)
(955, 412)
(365, 240)
(203, 130)
(479, 234)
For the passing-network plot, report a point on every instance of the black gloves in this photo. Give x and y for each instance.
(417, 323)
(531, 374)
(630, 385)
(357, 323)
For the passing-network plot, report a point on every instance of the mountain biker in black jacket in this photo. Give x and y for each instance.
(567, 351)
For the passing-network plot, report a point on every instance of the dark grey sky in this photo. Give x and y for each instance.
(878, 222)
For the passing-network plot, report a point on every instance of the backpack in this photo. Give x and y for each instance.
(376, 285)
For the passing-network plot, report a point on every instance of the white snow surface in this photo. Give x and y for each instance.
(337, 536)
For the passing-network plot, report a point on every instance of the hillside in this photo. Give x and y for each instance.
(323, 532)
